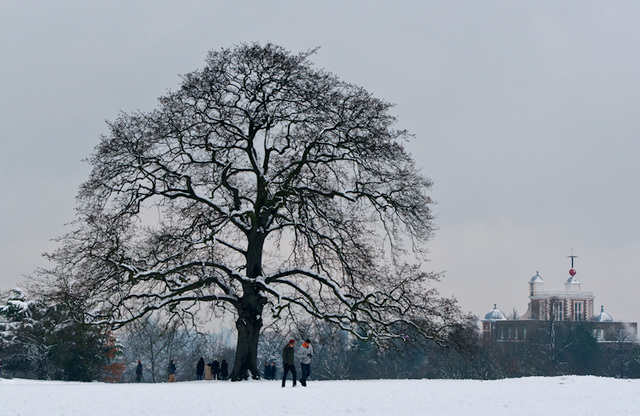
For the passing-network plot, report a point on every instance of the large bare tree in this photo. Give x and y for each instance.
(262, 182)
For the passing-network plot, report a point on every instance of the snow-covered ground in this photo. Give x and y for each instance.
(537, 396)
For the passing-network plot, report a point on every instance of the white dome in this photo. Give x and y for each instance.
(573, 280)
(536, 279)
(603, 316)
(495, 315)
(572, 284)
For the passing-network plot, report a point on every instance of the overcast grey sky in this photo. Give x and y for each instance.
(526, 116)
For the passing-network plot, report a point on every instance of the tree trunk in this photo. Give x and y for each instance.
(248, 325)
(246, 361)
(250, 308)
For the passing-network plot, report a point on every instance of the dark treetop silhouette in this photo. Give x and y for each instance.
(261, 183)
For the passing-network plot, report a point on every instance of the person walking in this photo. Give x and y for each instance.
(215, 369)
(267, 370)
(200, 369)
(208, 374)
(139, 372)
(305, 354)
(288, 353)
(171, 369)
(224, 370)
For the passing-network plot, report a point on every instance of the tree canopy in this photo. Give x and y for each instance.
(262, 182)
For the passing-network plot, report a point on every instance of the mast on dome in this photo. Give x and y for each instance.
(572, 272)
(572, 284)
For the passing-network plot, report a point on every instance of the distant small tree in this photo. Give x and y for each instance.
(156, 343)
(44, 340)
(620, 357)
(270, 346)
(113, 371)
(460, 356)
(581, 350)
(331, 351)
(25, 347)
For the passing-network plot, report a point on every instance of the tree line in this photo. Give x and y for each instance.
(42, 340)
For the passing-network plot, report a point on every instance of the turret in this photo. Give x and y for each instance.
(572, 284)
(495, 314)
(536, 284)
(603, 316)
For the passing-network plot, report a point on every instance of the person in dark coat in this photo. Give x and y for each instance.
(139, 372)
(267, 371)
(215, 369)
(288, 354)
(200, 369)
(171, 369)
(224, 370)
(273, 370)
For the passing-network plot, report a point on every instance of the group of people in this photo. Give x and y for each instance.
(305, 353)
(171, 372)
(270, 370)
(214, 370)
(220, 371)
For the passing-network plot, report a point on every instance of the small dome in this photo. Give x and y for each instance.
(573, 280)
(536, 279)
(572, 284)
(603, 316)
(495, 315)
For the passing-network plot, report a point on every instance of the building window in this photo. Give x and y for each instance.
(578, 314)
(558, 311)
(524, 333)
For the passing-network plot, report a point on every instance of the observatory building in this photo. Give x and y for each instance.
(572, 305)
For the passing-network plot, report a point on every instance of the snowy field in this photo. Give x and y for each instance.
(537, 396)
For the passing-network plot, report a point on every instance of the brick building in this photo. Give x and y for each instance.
(573, 305)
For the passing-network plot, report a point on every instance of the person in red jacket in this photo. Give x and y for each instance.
(305, 354)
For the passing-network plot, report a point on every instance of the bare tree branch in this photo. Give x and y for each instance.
(261, 181)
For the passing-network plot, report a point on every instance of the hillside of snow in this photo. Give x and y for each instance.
(569, 395)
